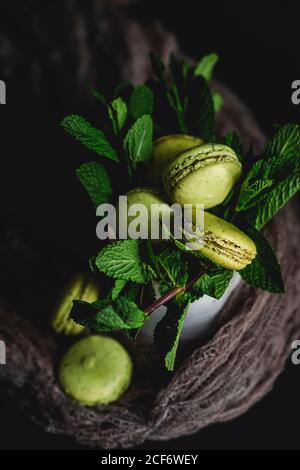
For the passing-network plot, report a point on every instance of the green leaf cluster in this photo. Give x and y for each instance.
(178, 100)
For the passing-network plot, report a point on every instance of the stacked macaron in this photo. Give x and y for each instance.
(193, 172)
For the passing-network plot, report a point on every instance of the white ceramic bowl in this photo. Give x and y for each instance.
(201, 315)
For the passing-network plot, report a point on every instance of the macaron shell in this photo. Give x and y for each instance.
(153, 201)
(82, 286)
(95, 370)
(165, 149)
(225, 244)
(202, 175)
(208, 185)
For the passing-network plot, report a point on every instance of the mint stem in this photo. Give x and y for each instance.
(169, 295)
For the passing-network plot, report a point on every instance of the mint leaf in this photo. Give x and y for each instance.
(212, 283)
(218, 101)
(92, 138)
(276, 199)
(117, 112)
(104, 315)
(99, 97)
(95, 180)
(174, 265)
(206, 65)
(158, 67)
(138, 141)
(150, 258)
(255, 186)
(180, 75)
(167, 333)
(285, 143)
(264, 272)
(122, 260)
(200, 114)
(252, 193)
(117, 288)
(233, 140)
(171, 93)
(141, 102)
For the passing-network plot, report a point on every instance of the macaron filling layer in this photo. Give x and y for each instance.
(225, 247)
(193, 162)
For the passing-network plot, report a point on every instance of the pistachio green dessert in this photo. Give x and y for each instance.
(225, 244)
(96, 370)
(202, 175)
(165, 149)
(152, 200)
(82, 286)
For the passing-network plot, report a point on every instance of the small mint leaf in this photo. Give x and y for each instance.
(233, 140)
(252, 193)
(138, 141)
(141, 102)
(264, 272)
(205, 66)
(167, 332)
(158, 67)
(99, 97)
(117, 111)
(95, 180)
(122, 260)
(106, 315)
(92, 138)
(285, 143)
(174, 265)
(255, 185)
(212, 283)
(200, 114)
(276, 199)
(117, 288)
(218, 101)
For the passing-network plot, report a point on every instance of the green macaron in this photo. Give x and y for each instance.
(81, 286)
(202, 175)
(96, 370)
(154, 204)
(165, 149)
(225, 244)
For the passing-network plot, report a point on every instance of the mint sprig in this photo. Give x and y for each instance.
(273, 179)
(179, 100)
